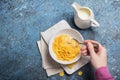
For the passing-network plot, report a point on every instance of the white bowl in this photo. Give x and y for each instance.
(74, 34)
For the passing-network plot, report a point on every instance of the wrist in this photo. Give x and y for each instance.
(101, 67)
(98, 67)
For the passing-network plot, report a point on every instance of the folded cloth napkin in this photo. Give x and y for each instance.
(48, 63)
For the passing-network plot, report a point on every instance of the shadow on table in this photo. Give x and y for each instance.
(88, 72)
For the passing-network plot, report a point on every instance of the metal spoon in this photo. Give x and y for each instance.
(95, 45)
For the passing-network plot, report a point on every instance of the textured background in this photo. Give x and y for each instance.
(21, 21)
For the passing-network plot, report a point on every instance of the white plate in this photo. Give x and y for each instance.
(74, 34)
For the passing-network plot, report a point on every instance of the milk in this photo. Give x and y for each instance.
(83, 13)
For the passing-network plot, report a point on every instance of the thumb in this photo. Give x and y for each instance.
(91, 49)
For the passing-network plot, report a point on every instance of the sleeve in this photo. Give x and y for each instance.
(103, 74)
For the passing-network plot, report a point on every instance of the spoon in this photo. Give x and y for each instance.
(95, 45)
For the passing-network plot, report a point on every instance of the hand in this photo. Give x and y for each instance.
(98, 56)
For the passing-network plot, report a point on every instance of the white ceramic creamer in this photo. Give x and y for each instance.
(84, 17)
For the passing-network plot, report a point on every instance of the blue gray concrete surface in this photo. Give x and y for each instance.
(21, 21)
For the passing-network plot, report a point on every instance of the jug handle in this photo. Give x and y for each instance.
(76, 6)
(94, 23)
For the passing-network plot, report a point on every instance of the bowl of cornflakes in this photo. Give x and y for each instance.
(64, 47)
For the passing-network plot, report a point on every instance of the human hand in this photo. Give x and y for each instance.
(98, 56)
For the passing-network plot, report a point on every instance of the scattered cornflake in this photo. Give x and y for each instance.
(71, 65)
(61, 73)
(80, 73)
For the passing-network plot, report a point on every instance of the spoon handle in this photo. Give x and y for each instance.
(95, 45)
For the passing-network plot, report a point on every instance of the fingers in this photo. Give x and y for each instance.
(91, 49)
(85, 54)
(92, 41)
(84, 50)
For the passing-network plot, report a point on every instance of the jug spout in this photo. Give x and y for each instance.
(76, 6)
